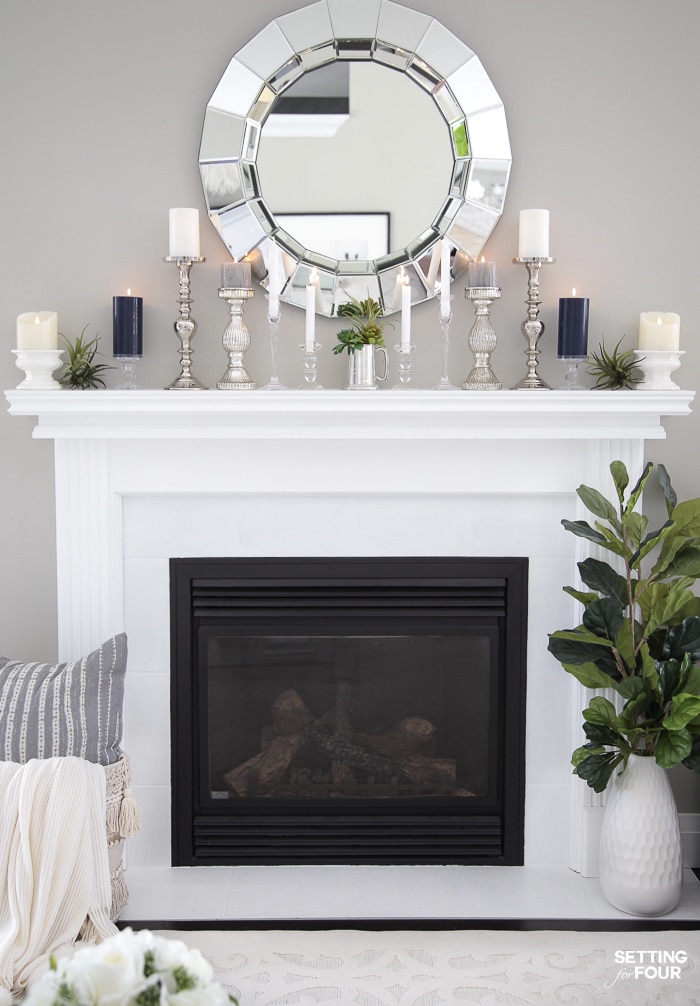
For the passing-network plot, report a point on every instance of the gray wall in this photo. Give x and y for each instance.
(101, 108)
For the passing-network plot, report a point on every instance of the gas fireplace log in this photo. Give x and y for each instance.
(267, 768)
(433, 771)
(341, 772)
(412, 735)
(290, 713)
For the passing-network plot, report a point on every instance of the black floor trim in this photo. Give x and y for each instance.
(419, 925)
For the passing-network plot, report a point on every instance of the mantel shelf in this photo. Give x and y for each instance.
(342, 415)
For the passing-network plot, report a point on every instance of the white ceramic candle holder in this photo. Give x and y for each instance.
(38, 365)
(657, 365)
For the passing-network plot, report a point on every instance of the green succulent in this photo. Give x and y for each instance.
(640, 633)
(365, 330)
(613, 370)
(82, 371)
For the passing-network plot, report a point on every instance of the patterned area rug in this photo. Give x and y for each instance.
(295, 968)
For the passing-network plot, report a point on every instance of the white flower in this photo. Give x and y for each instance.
(118, 971)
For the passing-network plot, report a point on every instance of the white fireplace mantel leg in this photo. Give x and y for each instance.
(88, 547)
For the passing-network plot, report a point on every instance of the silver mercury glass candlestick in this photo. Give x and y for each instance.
(532, 328)
(482, 339)
(236, 340)
(185, 326)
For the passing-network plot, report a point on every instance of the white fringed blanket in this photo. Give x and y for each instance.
(54, 872)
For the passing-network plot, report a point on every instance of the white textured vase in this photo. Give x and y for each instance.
(641, 853)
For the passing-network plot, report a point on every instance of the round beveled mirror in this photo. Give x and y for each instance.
(352, 139)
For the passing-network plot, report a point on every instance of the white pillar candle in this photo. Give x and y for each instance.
(310, 335)
(534, 234)
(659, 330)
(405, 313)
(183, 232)
(235, 276)
(274, 284)
(37, 330)
(445, 308)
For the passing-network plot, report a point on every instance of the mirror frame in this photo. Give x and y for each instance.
(320, 33)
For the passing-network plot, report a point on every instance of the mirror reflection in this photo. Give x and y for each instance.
(354, 140)
(372, 143)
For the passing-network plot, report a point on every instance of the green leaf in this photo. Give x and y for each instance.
(669, 678)
(636, 525)
(667, 488)
(601, 711)
(582, 529)
(649, 671)
(692, 761)
(597, 769)
(683, 638)
(604, 618)
(672, 748)
(615, 543)
(684, 708)
(597, 504)
(630, 687)
(687, 518)
(650, 542)
(598, 734)
(620, 478)
(625, 646)
(591, 676)
(585, 597)
(685, 563)
(600, 576)
(634, 496)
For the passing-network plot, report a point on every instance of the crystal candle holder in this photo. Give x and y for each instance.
(274, 384)
(38, 365)
(572, 380)
(127, 365)
(405, 358)
(657, 365)
(310, 367)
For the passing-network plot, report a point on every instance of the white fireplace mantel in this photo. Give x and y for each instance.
(404, 415)
(142, 476)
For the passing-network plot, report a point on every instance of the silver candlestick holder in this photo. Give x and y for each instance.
(532, 328)
(236, 340)
(482, 339)
(185, 326)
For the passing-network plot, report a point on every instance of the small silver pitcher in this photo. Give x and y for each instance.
(361, 369)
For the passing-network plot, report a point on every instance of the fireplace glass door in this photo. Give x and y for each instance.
(348, 710)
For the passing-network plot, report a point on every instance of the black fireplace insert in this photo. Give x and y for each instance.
(348, 710)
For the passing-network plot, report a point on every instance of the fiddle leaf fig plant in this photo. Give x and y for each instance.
(640, 633)
(365, 327)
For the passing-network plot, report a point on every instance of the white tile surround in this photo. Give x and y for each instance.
(142, 476)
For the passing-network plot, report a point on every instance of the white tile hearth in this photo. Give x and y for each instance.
(424, 893)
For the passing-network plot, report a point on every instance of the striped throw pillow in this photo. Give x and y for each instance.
(64, 709)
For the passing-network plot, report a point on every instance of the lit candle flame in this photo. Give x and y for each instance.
(658, 320)
(128, 291)
(573, 292)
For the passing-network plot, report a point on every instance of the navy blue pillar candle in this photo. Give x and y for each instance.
(127, 330)
(573, 326)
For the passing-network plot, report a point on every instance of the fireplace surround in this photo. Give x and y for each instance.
(142, 476)
(368, 710)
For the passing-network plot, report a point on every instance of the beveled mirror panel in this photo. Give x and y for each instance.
(351, 138)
